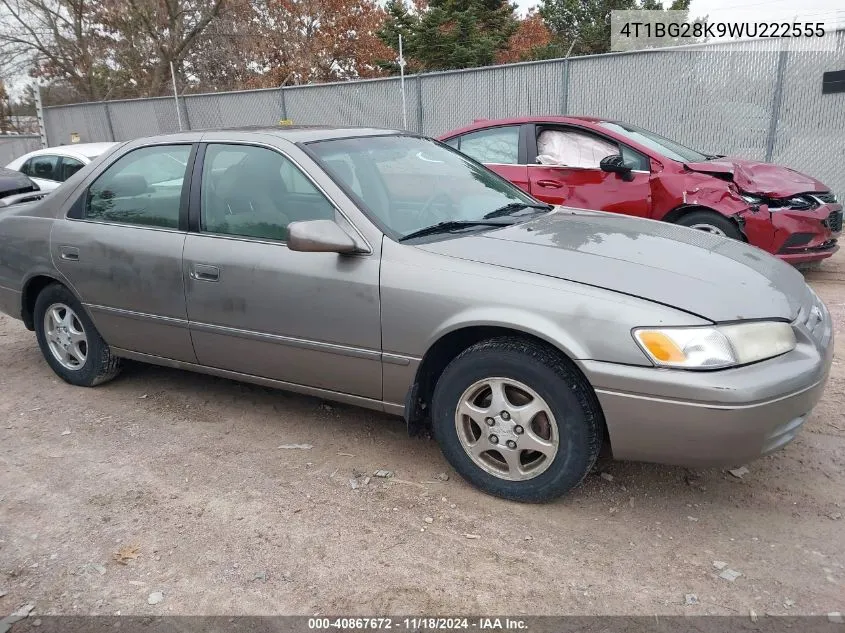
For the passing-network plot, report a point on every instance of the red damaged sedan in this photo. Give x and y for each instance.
(593, 163)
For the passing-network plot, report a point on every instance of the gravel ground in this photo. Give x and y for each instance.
(171, 482)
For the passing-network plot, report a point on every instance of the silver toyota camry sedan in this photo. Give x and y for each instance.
(383, 269)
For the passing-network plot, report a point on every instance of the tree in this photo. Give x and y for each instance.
(583, 26)
(103, 49)
(450, 33)
(300, 41)
(146, 36)
(530, 41)
(55, 40)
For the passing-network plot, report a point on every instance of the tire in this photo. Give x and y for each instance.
(67, 321)
(576, 420)
(711, 222)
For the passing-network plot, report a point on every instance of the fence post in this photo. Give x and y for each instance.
(564, 93)
(39, 116)
(185, 110)
(108, 121)
(283, 104)
(776, 101)
(420, 127)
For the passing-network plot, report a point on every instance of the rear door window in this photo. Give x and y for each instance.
(498, 145)
(68, 167)
(142, 187)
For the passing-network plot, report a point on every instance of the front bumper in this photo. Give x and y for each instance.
(713, 418)
(807, 236)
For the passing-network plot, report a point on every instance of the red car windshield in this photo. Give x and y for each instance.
(660, 144)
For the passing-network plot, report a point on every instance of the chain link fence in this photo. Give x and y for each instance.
(749, 100)
(14, 145)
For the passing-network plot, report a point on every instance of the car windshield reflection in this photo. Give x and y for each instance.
(408, 183)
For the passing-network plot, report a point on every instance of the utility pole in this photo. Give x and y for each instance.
(176, 96)
(402, 84)
(39, 115)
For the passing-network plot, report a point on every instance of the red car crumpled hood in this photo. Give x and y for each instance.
(763, 179)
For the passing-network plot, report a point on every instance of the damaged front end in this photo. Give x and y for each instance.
(799, 228)
(782, 211)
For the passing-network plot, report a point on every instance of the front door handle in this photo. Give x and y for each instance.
(204, 272)
(550, 184)
(69, 253)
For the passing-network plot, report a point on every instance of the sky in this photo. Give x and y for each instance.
(732, 10)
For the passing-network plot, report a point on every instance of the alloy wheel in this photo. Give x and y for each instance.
(66, 336)
(507, 429)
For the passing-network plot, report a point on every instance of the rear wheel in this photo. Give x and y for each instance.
(517, 420)
(69, 341)
(710, 222)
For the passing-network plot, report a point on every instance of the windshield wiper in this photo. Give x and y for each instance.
(512, 207)
(450, 225)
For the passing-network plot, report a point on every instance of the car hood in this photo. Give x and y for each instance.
(763, 179)
(13, 182)
(706, 275)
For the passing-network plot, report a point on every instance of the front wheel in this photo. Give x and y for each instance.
(70, 343)
(711, 222)
(517, 420)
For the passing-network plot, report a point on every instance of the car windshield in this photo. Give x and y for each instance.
(660, 144)
(409, 183)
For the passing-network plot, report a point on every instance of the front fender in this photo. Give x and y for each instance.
(512, 318)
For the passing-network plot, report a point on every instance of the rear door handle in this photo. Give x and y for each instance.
(69, 253)
(204, 272)
(550, 184)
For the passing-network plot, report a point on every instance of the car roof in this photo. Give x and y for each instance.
(87, 150)
(291, 133)
(480, 124)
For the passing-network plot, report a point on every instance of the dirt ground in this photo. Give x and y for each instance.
(182, 475)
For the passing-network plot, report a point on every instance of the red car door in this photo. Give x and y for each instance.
(566, 172)
(498, 148)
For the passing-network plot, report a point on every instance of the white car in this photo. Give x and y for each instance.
(50, 167)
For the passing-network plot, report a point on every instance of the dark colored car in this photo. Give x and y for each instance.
(16, 187)
(592, 163)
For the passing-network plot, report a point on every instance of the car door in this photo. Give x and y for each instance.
(120, 247)
(566, 171)
(256, 307)
(499, 148)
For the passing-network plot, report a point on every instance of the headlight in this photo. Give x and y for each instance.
(796, 203)
(715, 347)
(750, 199)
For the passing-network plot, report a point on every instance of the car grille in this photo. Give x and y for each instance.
(834, 221)
(814, 319)
(825, 198)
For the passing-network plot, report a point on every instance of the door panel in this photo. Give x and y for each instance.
(256, 307)
(592, 189)
(517, 174)
(121, 250)
(570, 173)
(130, 278)
(306, 318)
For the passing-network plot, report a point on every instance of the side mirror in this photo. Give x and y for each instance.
(319, 236)
(615, 164)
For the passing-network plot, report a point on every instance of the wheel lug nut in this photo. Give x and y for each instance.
(506, 415)
(494, 439)
(490, 422)
(518, 430)
(511, 444)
